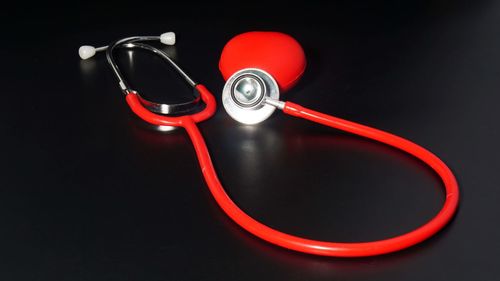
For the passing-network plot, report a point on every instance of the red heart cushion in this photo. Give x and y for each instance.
(276, 53)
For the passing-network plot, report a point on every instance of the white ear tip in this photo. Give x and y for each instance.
(86, 52)
(168, 38)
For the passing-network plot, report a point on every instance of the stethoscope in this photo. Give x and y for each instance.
(257, 66)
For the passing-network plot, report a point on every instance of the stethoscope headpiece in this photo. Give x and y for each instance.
(257, 66)
(138, 42)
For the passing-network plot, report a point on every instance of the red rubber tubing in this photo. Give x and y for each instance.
(292, 242)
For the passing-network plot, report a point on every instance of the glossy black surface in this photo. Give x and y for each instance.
(89, 192)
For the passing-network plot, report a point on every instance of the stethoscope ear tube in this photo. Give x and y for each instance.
(134, 42)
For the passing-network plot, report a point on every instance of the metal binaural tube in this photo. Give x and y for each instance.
(131, 43)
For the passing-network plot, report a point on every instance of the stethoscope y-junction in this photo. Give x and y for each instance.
(258, 66)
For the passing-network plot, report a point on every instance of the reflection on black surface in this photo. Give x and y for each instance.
(88, 67)
(130, 56)
(149, 134)
(258, 147)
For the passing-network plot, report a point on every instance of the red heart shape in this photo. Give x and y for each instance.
(277, 53)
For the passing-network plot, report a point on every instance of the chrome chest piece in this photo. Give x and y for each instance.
(250, 96)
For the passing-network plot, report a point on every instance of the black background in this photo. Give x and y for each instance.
(89, 192)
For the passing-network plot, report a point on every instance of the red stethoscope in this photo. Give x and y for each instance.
(257, 66)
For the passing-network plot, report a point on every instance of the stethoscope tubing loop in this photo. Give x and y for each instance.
(309, 246)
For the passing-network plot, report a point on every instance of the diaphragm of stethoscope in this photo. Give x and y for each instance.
(245, 93)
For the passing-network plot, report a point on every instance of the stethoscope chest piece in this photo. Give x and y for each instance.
(257, 67)
(245, 93)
